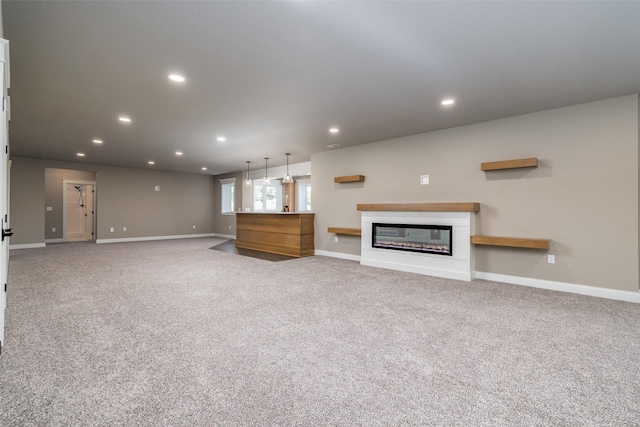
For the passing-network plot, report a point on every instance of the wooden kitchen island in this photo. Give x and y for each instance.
(279, 233)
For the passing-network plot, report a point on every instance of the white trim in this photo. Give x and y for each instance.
(143, 239)
(593, 291)
(55, 240)
(225, 236)
(28, 246)
(227, 181)
(338, 255)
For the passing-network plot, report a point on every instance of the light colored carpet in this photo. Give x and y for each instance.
(172, 333)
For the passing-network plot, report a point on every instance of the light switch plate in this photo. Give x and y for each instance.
(424, 179)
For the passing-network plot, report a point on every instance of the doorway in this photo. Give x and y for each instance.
(79, 210)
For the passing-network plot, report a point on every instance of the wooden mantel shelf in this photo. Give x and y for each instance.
(531, 162)
(350, 178)
(421, 207)
(512, 242)
(348, 231)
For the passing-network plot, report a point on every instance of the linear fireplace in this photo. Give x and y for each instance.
(430, 239)
(458, 264)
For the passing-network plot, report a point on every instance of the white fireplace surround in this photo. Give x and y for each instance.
(460, 266)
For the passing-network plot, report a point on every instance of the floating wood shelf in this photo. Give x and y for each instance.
(421, 207)
(513, 242)
(348, 231)
(350, 178)
(531, 162)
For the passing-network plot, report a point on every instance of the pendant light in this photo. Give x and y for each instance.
(266, 179)
(287, 179)
(248, 181)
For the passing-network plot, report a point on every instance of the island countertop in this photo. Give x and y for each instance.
(275, 213)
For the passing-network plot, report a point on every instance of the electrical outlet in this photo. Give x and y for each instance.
(124, 228)
(157, 188)
(336, 239)
(53, 229)
(229, 227)
(111, 229)
(551, 259)
(49, 208)
(194, 226)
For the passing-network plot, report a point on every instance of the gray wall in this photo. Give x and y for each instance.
(125, 198)
(226, 224)
(583, 196)
(53, 197)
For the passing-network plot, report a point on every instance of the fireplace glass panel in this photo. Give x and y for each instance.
(432, 239)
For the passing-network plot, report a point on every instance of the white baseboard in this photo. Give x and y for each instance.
(593, 291)
(338, 255)
(61, 240)
(143, 239)
(28, 246)
(224, 236)
(615, 294)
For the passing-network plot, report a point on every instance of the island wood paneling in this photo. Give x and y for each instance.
(279, 233)
(421, 207)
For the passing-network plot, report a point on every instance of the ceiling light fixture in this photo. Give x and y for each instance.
(448, 101)
(203, 168)
(266, 179)
(97, 141)
(333, 145)
(334, 130)
(221, 139)
(124, 119)
(288, 179)
(248, 181)
(176, 78)
(179, 153)
(151, 162)
(80, 154)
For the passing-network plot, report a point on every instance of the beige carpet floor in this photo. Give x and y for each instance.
(171, 333)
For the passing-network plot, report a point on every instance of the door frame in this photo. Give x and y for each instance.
(64, 206)
(5, 168)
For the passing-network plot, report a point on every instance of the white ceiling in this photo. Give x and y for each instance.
(274, 76)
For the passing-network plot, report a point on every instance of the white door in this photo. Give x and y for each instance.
(4, 183)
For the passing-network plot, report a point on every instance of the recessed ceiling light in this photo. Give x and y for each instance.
(151, 162)
(448, 101)
(80, 154)
(176, 78)
(204, 169)
(334, 130)
(97, 141)
(178, 153)
(333, 145)
(124, 119)
(221, 139)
